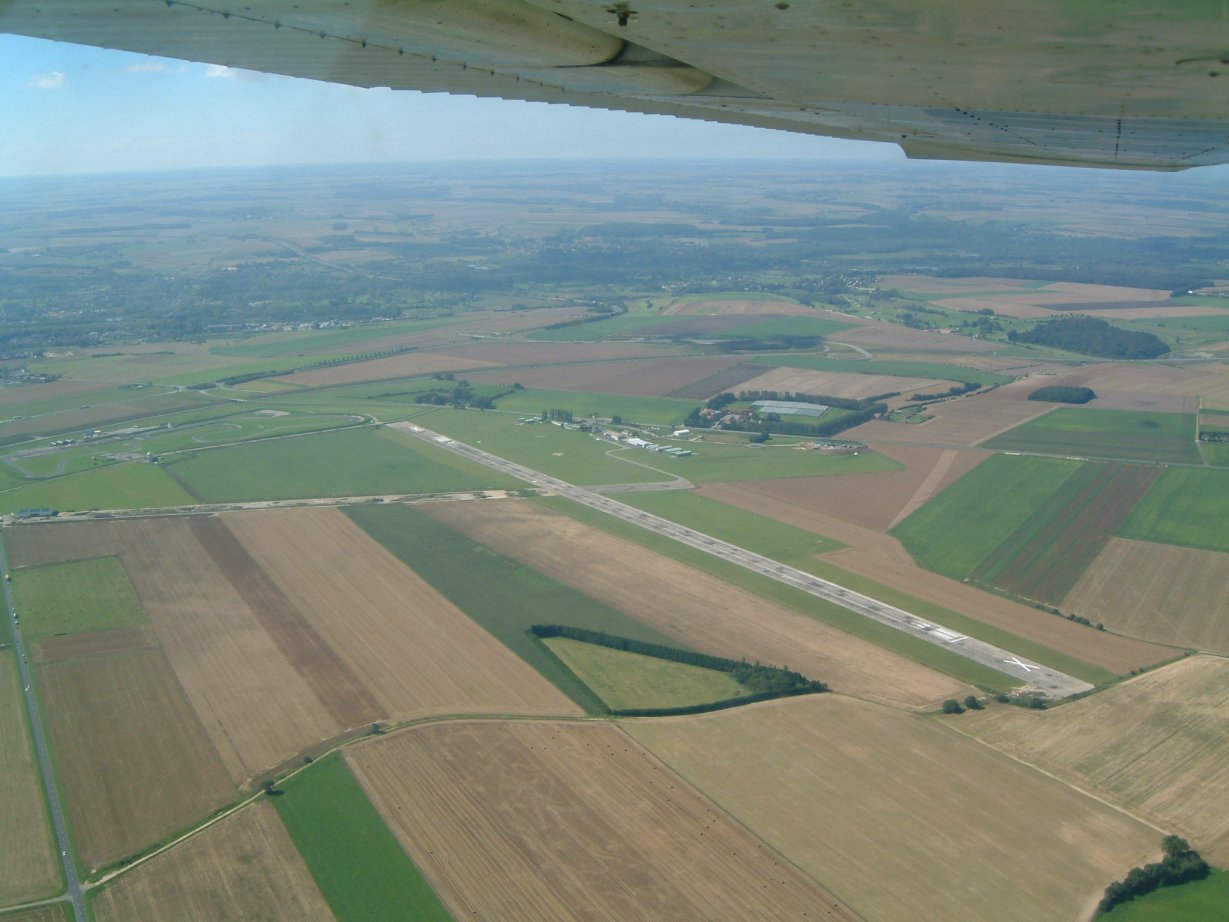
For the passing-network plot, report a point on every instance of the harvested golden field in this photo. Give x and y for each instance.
(926, 284)
(28, 866)
(749, 305)
(1167, 388)
(133, 760)
(417, 653)
(882, 558)
(965, 422)
(692, 606)
(875, 500)
(243, 867)
(571, 821)
(1160, 592)
(899, 816)
(253, 691)
(393, 366)
(633, 377)
(1158, 745)
(835, 384)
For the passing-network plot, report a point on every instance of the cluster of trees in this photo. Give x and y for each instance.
(459, 395)
(564, 416)
(1091, 336)
(971, 703)
(762, 682)
(954, 391)
(1180, 864)
(1062, 393)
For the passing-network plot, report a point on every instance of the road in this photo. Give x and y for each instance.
(1036, 678)
(75, 894)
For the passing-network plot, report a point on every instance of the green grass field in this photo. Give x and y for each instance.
(1129, 435)
(664, 411)
(357, 862)
(1197, 901)
(633, 680)
(904, 369)
(1215, 453)
(915, 649)
(343, 342)
(504, 596)
(957, 529)
(83, 595)
(726, 462)
(1185, 506)
(133, 485)
(355, 462)
(790, 545)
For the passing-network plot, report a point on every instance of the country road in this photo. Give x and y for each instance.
(1038, 679)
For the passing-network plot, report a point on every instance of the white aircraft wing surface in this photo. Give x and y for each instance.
(1136, 84)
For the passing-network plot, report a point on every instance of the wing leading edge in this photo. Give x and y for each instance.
(1135, 84)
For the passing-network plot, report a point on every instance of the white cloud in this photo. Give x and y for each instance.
(219, 72)
(52, 80)
(149, 66)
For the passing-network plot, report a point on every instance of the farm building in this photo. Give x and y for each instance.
(790, 408)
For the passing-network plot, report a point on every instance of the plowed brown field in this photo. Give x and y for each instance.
(961, 423)
(415, 650)
(1158, 744)
(244, 868)
(899, 816)
(572, 821)
(892, 337)
(1160, 592)
(698, 609)
(28, 867)
(881, 558)
(747, 306)
(133, 760)
(393, 366)
(36, 545)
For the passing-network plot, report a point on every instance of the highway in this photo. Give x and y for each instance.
(75, 894)
(1036, 678)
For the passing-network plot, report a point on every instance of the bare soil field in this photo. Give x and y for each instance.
(893, 337)
(700, 610)
(634, 377)
(393, 366)
(876, 500)
(1159, 592)
(926, 284)
(123, 791)
(882, 558)
(243, 867)
(835, 384)
(258, 706)
(571, 821)
(727, 379)
(75, 646)
(1158, 745)
(1168, 388)
(748, 306)
(417, 653)
(964, 422)
(28, 866)
(901, 817)
(37, 545)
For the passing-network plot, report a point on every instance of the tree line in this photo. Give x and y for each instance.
(1180, 865)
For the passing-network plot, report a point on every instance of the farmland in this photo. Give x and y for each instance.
(354, 463)
(122, 486)
(692, 607)
(1186, 507)
(28, 869)
(357, 863)
(82, 595)
(1163, 593)
(534, 820)
(243, 867)
(1128, 435)
(841, 787)
(1170, 767)
(632, 680)
(1192, 902)
(611, 386)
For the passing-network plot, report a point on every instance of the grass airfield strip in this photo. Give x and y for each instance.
(243, 867)
(535, 820)
(900, 817)
(28, 866)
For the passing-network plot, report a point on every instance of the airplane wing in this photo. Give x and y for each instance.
(1129, 84)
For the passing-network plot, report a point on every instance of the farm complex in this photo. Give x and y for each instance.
(779, 598)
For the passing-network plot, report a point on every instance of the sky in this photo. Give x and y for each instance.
(71, 109)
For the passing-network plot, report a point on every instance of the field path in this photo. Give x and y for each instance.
(928, 487)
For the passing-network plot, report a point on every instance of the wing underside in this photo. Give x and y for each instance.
(1133, 84)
